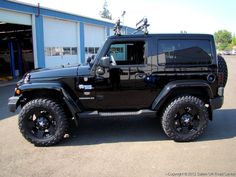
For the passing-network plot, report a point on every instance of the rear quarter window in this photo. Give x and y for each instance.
(184, 52)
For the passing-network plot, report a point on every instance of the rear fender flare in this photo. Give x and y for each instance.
(172, 86)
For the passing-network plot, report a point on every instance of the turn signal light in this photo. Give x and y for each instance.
(18, 92)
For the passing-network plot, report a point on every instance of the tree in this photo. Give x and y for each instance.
(234, 41)
(105, 13)
(223, 39)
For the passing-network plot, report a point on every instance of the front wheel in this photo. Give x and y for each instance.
(185, 118)
(43, 122)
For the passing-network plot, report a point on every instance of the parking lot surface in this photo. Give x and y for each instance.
(123, 147)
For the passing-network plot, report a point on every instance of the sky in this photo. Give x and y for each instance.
(164, 16)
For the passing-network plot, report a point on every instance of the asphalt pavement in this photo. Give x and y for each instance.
(123, 147)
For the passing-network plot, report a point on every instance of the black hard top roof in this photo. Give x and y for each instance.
(161, 35)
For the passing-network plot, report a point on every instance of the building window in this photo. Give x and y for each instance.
(48, 51)
(56, 51)
(74, 50)
(96, 49)
(60, 51)
(66, 51)
(91, 50)
(86, 49)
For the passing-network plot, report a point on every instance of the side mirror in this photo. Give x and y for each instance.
(100, 70)
(105, 62)
(89, 59)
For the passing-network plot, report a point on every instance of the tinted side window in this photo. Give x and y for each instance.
(128, 53)
(179, 52)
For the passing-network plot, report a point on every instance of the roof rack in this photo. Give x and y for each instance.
(117, 28)
(142, 25)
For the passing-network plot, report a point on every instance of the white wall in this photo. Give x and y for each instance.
(111, 32)
(60, 33)
(15, 17)
(94, 36)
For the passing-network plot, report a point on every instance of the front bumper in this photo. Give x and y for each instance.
(217, 102)
(13, 103)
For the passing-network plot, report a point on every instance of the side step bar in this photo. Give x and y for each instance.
(126, 114)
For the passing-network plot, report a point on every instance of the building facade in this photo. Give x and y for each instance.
(34, 37)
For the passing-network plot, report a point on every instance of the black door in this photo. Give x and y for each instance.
(124, 86)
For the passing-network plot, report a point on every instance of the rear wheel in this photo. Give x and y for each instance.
(185, 118)
(43, 122)
(223, 68)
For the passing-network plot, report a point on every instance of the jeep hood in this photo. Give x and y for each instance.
(59, 72)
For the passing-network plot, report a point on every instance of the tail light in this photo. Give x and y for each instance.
(220, 84)
(220, 79)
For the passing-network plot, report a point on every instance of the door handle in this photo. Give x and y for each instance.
(140, 75)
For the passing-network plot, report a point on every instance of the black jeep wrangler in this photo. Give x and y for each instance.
(177, 77)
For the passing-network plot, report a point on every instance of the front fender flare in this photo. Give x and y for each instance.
(61, 88)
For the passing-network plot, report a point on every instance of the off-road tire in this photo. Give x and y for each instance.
(55, 110)
(168, 118)
(223, 68)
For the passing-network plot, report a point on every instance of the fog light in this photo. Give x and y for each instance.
(211, 78)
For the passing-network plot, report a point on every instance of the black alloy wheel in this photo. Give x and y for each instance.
(185, 118)
(43, 122)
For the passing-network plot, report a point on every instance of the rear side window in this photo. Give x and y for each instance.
(184, 52)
